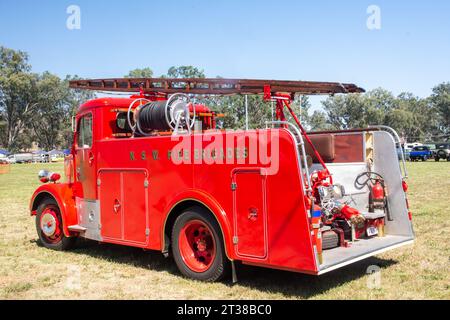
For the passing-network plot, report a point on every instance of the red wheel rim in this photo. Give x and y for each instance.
(50, 225)
(197, 246)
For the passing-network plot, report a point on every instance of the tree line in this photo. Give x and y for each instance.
(34, 107)
(38, 107)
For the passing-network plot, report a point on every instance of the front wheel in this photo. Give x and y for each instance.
(425, 158)
(49, 227)
(197, 246)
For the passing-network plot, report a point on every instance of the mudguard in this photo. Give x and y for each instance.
(63, 194)
(219, 213)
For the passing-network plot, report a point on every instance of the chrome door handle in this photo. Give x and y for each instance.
(116, 206)
(91, 158)
(252, 214)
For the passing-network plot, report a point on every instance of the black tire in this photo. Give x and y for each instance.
(441, 154)
(330, 240)
(220, 265)
(425, 158)
(436, 159)
(65, 243)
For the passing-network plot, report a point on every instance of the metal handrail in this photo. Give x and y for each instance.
(397, 142)
(299, 142)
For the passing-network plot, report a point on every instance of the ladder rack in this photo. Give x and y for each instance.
(217, 86)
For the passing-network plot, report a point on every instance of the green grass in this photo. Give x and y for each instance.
(29, 271)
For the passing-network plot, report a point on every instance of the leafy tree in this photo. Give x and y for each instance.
(74, 99)
(140, 73)
(18, 94)
(34, 108)
(359, 110)
(52, 107)
(440, 100)
(345, 112)
(184, 72)
(318, 121)
(3, 126)
(412, 117)
(234, 109)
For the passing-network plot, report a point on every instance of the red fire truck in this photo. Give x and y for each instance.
(155, 170)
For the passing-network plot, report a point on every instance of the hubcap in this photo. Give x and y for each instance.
(50, 225)
(197, 246)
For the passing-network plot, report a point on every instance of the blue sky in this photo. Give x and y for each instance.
(295, 40)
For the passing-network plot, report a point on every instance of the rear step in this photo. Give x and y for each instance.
(77, 228)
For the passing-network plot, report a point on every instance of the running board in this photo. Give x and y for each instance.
(77, 228)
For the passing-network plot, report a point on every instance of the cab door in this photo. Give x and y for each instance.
(85, 164)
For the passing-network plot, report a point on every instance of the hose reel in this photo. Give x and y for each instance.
(173, 114)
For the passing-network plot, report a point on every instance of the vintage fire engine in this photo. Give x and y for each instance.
(155, 170)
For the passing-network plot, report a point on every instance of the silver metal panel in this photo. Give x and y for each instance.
(345, 174)
(386, 163)
(361, 249)
(89, 218)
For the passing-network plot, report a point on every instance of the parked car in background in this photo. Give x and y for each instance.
(415, 144)
(432, 147)
(405, 154)
(21, 158)
(420, 153)
(39, 158)
(11, 159)
(442, 151)
(408, 148)
(56, 156)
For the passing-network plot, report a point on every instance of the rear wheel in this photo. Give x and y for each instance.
(197, 246)
(49, 226)
(425, 158)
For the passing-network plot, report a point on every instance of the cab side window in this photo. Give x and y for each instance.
(84, 132)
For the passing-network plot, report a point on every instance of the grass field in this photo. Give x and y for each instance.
(93, 271)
